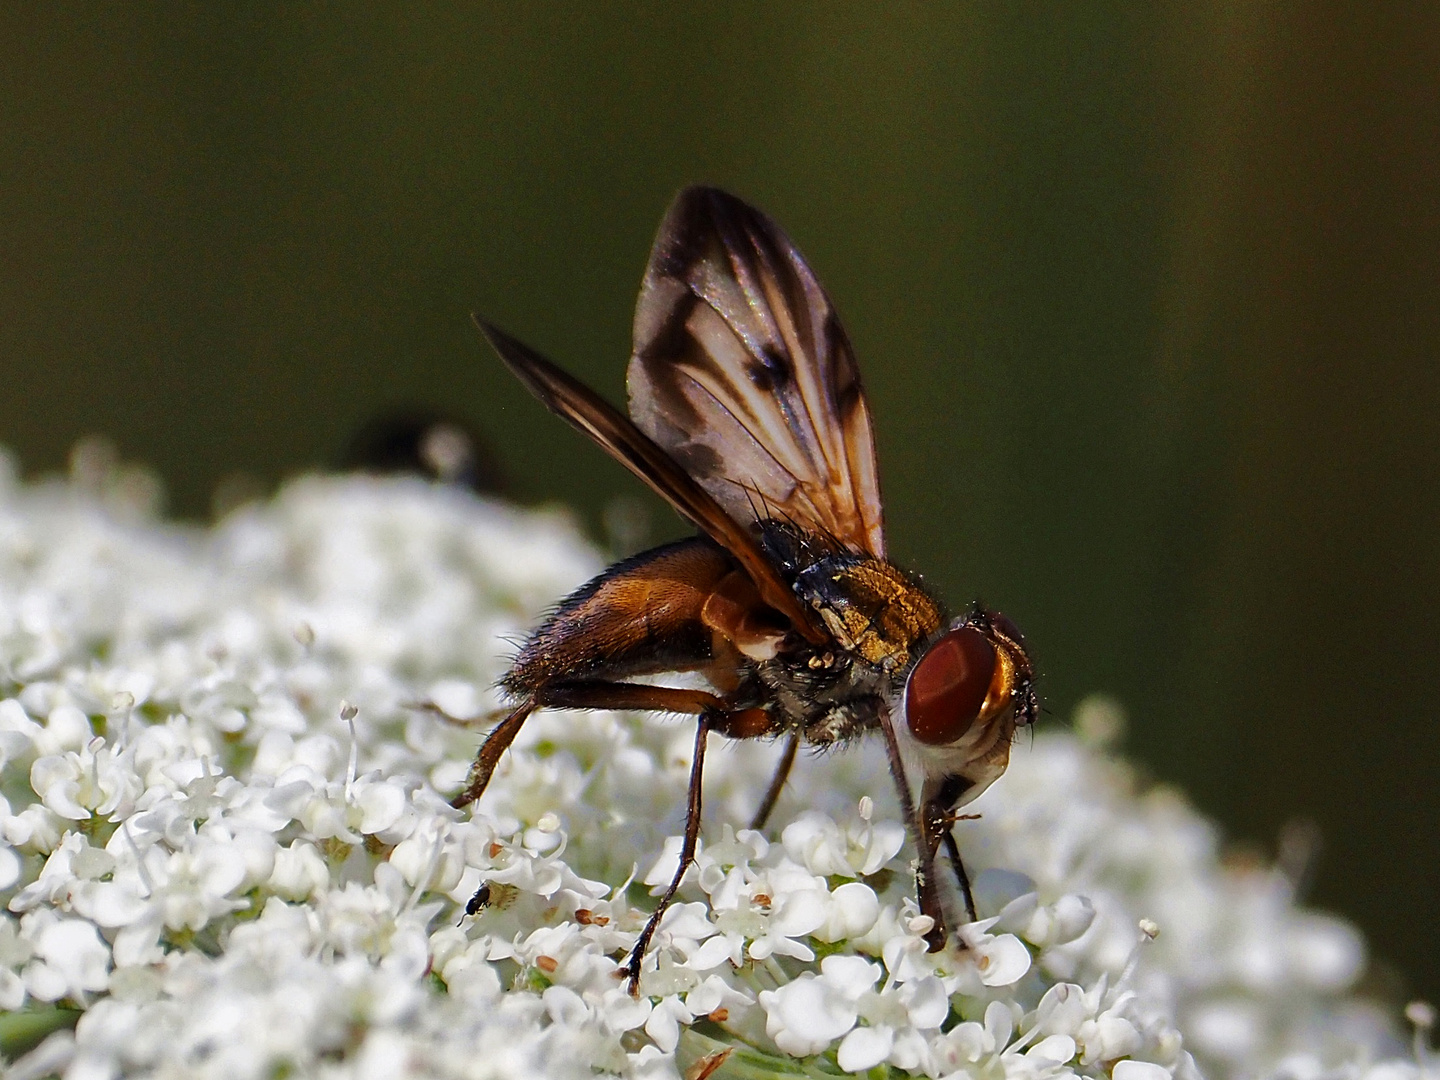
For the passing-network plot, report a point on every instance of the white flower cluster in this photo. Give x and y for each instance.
(225, 847)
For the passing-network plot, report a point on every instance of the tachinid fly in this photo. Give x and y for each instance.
(748, 417)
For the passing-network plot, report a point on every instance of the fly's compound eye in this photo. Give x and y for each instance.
(948, 688)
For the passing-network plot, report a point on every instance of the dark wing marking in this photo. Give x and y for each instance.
(743, 373)
(587, 412)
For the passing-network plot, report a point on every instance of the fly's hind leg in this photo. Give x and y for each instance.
(714, 715)
(495, 744)
(576, 694)
(687, 856)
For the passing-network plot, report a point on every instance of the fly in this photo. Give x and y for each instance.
(747, 415)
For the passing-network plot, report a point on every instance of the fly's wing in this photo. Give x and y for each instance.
(589, 413)
(744, 375)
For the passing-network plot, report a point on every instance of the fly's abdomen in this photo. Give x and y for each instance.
(642, 616)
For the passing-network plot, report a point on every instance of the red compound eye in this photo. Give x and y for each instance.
(948, 687)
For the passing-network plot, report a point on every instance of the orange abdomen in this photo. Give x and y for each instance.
(643, 616)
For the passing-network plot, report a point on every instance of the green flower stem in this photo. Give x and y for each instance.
(23, 1031)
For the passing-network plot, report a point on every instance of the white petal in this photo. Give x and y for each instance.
(74, 949)
(299, 872)
(112, 904)
(853, 909)
(688, 921)
(799, 912)
(1053, 1050)
(711, 953)
(60, 798)
(1062, 1009)
(1003, 961)
(662, 871)
(381, 805)
(622, 1012)
(927, 1002)
(849, 976)
(222, 866)
(565, 1007)
(44, 982)
(1113, 1037)
(1016, 915)
(864, 1048)
(813, 840)
(712, 994)
(886, 840)
(803, 1017)
(783, 946)
(1073, 916)
(1324, 952)
(1139, 1070)
(999, 1023)
(12, 990)
(663, 1027)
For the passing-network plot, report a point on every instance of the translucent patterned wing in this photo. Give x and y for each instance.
(587, 412)
(742, 372)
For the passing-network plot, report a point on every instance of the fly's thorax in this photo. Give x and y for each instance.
(873, 609)
(878, 617)
(829, 695)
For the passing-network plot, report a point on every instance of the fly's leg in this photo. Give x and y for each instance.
(495, 744)
(746, 723)
(964, 879)
(923, 835)
(490, 717)
(593, 694)
(578, 694)
(713, 716)
(687, 856)
(777, 782)
(937, 802)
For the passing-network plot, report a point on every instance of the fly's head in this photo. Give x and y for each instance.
(966, 696)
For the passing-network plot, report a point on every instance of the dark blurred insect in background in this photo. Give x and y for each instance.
(749, 418)
(429, 443)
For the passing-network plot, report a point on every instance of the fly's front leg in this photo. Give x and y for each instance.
(920, 831)
(938, 799)
(960, 875)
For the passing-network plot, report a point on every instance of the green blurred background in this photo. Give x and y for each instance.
(1144, 295)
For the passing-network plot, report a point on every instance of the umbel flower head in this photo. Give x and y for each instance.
(226, 850)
